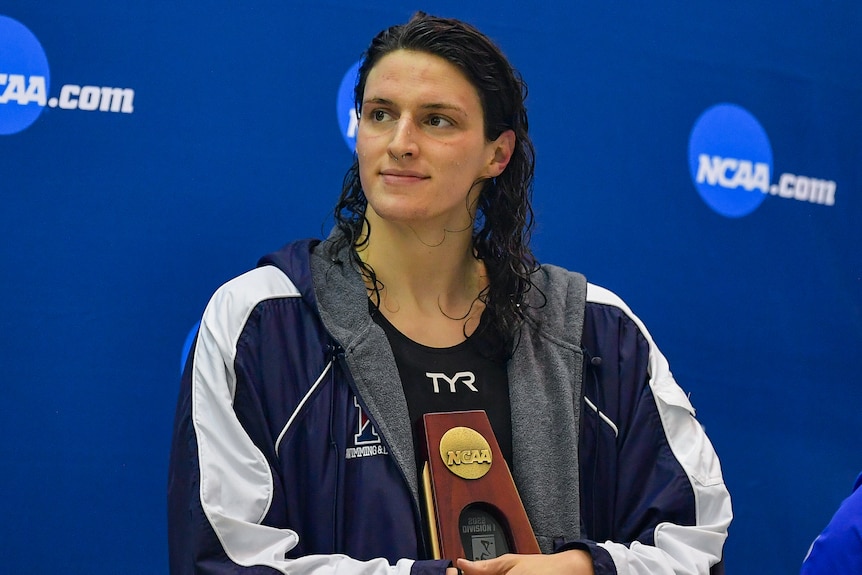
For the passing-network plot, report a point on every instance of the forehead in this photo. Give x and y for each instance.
(406, 75)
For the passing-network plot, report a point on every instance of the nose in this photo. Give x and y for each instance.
(403, 143)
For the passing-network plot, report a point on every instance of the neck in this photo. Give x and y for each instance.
(429, 291)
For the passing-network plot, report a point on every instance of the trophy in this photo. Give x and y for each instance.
(471, 502)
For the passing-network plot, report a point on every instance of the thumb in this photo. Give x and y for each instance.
(484, 567)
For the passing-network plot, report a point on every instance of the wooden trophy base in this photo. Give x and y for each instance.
(473, 507)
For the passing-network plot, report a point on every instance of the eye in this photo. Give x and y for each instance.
(379, 115)
(439, 122)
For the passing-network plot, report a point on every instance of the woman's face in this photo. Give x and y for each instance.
(421, 143)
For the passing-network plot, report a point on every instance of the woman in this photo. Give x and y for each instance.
(296, 441)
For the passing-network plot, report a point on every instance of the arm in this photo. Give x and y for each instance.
(838, 549)
(653, 496)
(226, 502)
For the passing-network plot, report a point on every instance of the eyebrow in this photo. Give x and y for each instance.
(429, 106)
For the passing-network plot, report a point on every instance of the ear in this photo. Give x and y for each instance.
(502, 149)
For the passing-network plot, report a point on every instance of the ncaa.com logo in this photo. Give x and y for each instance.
(730, 162)
(25, 83)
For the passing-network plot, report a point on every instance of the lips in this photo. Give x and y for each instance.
(403, 173)
(393, 176)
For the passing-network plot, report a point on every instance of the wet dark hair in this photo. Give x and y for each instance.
(504, 216)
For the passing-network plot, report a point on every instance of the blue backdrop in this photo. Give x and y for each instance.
(701, 159)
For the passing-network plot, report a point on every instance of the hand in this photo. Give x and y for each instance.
(573, 562)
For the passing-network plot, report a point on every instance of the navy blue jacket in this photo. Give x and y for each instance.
(292, 448)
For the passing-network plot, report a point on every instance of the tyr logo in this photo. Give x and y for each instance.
(465, 377)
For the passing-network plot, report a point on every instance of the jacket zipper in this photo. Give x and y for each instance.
(338, 354)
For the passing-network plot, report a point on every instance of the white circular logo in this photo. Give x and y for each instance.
(730, 160)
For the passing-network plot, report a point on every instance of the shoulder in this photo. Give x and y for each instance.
(564, 287)
(606, 313)
(613, 330)
(232, 304)
(249, 289)
(554, 305)
(552, 279)
(281, 274)
(598, 297)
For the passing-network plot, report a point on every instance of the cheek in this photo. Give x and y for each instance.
(367, 167)
(361, 137)
(367, 146)
(361, 153)
(363, 171)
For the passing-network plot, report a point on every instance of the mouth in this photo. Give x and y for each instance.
(393, 176)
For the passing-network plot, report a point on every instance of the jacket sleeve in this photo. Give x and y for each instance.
(221, 484)
(653, 497)
(838, 549)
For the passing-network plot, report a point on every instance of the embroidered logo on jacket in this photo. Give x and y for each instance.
(366, 440)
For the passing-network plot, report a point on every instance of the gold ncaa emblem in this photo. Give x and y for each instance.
(465, 452)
